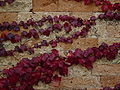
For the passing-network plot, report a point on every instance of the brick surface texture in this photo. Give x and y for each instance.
(104, 73)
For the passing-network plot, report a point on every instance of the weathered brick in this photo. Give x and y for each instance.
(101, 29)
(112, 29)
(69, 89)
(115, 1)
(108, 40)
(107, 29)
(82, 43)
(79, 76)
(17, 6)
(8, 17)
(42, 86)
(93, 88)
(75, 71)
(80, 82)
(7, 62)
(111, 69)
(3, 67)
(37, 15)
(105, 61)
(45, 5)
(110, 81)
(83, 15)
(65, 5)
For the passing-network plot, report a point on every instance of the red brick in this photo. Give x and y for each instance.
(80, 82)
(93, 88)
(109, 80)
(82, 43)
(111, 69)
(65, 5)
(45, 5)
(112, 29)
(8, 17)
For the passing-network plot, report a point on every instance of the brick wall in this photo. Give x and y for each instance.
(104, 73)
